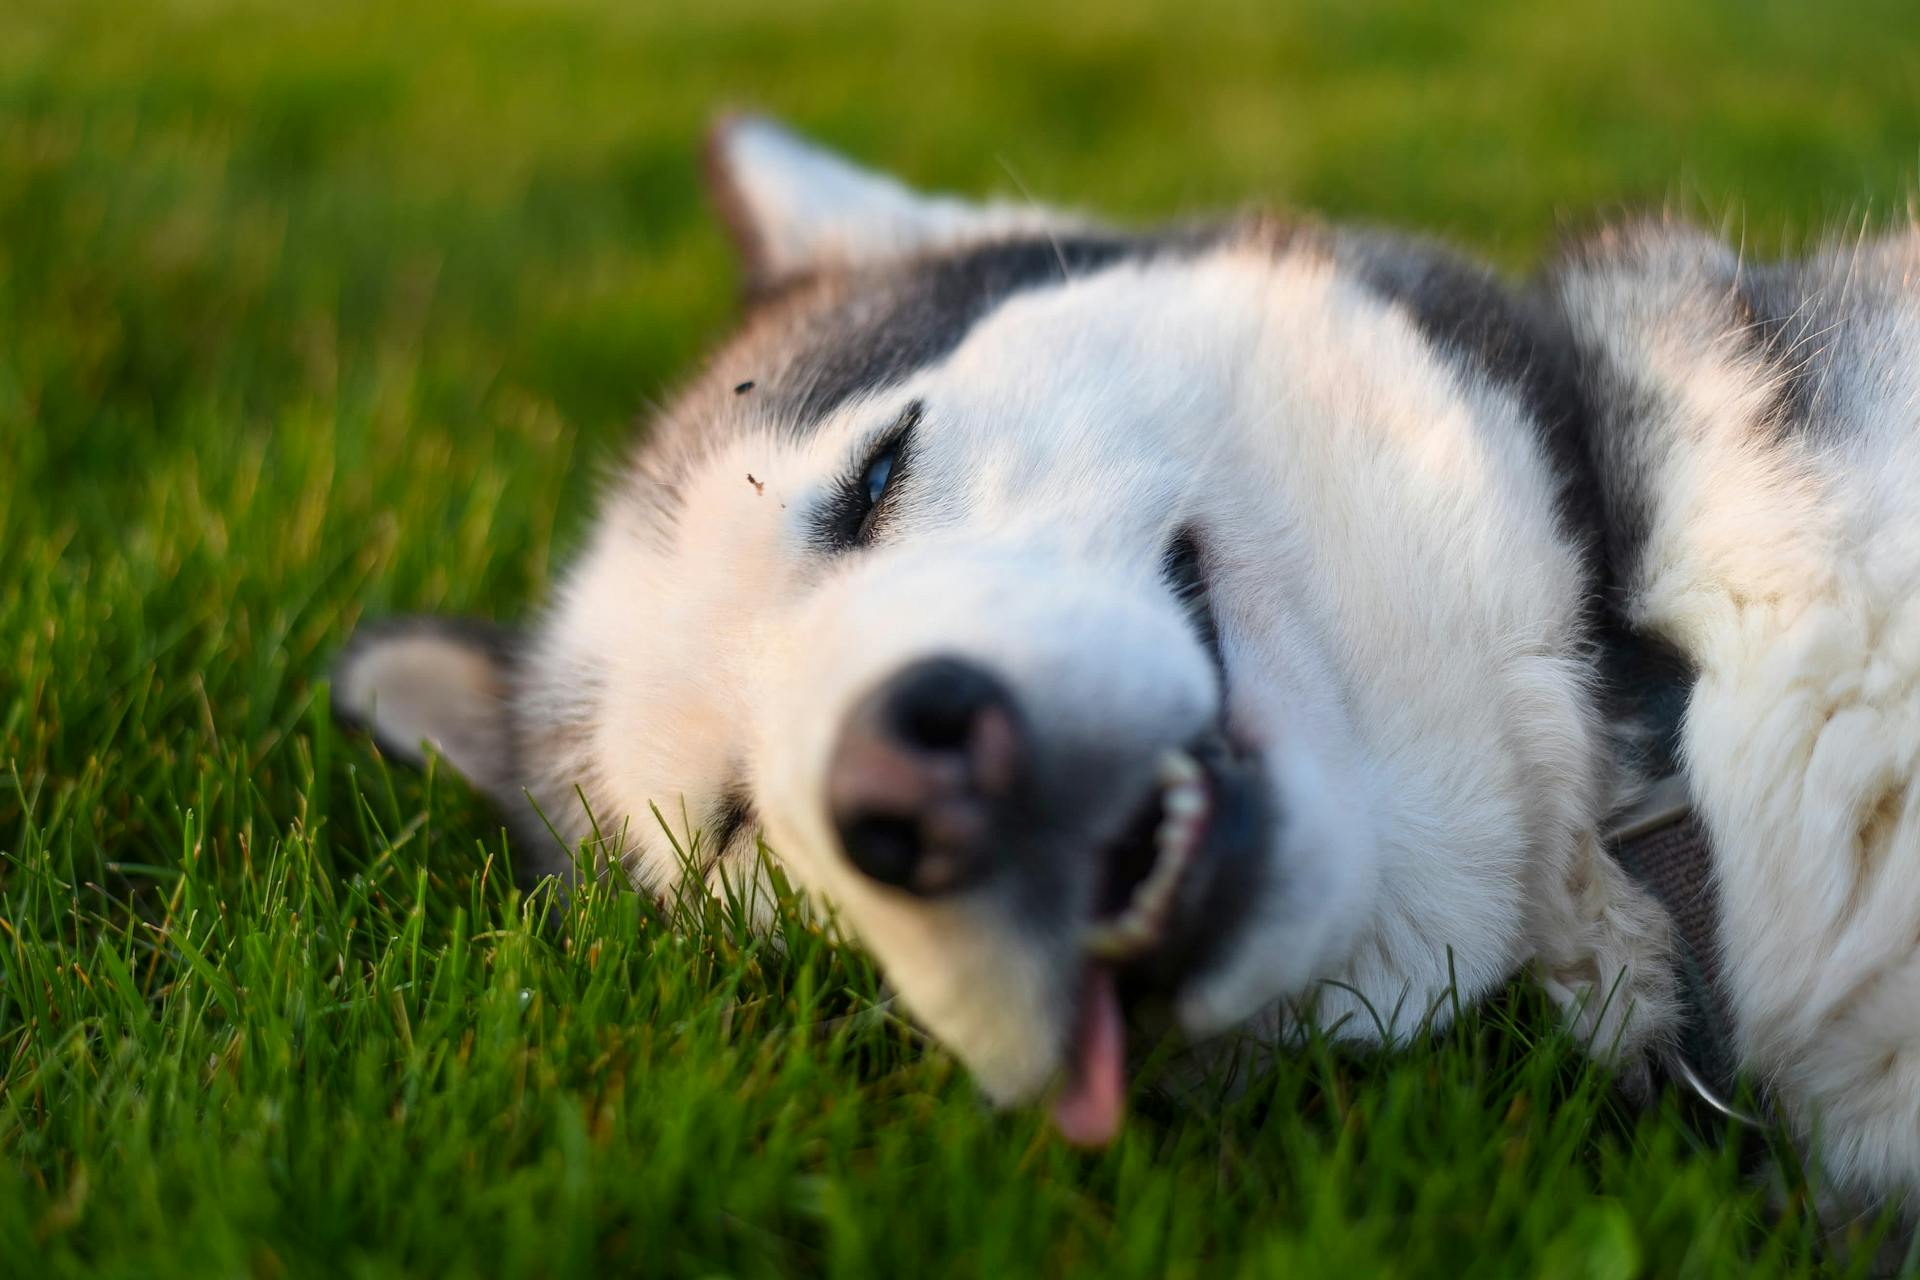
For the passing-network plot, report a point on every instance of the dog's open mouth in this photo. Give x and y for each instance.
(1145, 868)
(1175, 887)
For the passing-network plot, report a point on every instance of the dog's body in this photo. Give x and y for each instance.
(1250, 616)
(1757, 437)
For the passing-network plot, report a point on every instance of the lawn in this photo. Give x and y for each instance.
(310, 312)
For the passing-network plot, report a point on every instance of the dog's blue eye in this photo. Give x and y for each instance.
(879, 471)
(859, 503)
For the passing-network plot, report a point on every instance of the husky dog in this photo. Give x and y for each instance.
(1251, 621)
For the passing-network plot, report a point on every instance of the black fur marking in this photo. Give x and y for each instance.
(741, 388)
(1580, 411)
(1647, 683)
(1622, 480)
(1513, 338)
(1183, 567)
(1782, 331)
(730, 817)
(903, 319)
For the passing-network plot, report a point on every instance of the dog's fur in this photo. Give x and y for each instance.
(1757, 436)
(1438, 520)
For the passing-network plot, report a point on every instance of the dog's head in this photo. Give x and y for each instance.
(1098, 621)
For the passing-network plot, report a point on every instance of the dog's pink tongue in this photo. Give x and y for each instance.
(1087, 1112)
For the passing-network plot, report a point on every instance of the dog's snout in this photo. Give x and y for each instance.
(919, 783)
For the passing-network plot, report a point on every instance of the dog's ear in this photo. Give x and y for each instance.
(794, 208)
(420, 682)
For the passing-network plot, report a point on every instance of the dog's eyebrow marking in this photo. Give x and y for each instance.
(741, 388)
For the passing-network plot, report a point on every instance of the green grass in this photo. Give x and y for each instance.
(324, 310)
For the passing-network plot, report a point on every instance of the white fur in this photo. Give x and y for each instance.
(1788, 570)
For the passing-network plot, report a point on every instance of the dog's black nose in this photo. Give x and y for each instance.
(919, 783)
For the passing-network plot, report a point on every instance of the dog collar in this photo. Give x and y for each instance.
(1662, 843)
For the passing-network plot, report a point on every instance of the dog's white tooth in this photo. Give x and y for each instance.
(1171, 840)
(1143, 893)
(1184, 806)
(1176, 847)
(1172, 844)
(1185, 802)
(1121, 937)
(1138, 927)
(1178, 768)
(1175, 838)
(1183, 847)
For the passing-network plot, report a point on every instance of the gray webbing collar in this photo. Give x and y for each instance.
(1662, 843)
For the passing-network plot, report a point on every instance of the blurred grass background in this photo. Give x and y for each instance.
(313, 310)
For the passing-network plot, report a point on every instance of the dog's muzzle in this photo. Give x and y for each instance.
(933, 788)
